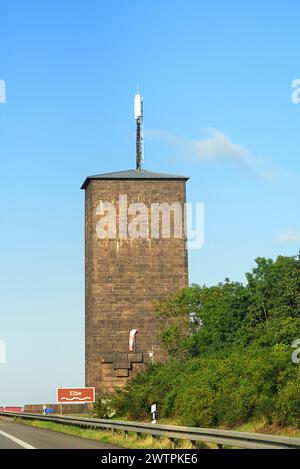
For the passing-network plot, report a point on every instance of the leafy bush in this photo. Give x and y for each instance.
(103, 408)
(287, 410)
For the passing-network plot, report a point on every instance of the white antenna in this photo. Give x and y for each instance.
(138, 115)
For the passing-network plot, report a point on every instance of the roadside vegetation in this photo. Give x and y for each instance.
(230, 348)
(131, 440)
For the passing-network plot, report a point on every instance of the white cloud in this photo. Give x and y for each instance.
(2, 92)
(289, 236)
(214, 146)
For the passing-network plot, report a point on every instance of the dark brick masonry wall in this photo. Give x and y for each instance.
(123, 279)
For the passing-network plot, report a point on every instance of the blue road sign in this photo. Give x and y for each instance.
(48, 410)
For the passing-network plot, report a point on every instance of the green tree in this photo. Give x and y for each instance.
(230, 352)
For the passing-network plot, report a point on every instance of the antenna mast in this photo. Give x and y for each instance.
(138, 115)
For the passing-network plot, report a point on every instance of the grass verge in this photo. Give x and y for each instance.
(131, 440)
(260, 426)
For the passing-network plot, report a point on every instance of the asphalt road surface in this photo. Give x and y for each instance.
(19, 436)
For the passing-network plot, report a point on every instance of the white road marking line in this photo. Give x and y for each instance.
(17, 441)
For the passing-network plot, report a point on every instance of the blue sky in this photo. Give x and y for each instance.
(71, 69)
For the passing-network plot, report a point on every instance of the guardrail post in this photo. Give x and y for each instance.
(194, 443)
(198, 444)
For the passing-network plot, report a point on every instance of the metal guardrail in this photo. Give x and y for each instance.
(208, 435)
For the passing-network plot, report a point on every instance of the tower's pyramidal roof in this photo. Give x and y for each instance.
(133, 174)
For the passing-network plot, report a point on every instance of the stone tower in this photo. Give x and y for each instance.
(132, 259)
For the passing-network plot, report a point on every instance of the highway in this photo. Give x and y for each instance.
(19, 436)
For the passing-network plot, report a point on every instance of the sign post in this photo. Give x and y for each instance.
(153, 413)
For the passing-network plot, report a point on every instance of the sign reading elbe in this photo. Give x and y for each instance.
(75, 395)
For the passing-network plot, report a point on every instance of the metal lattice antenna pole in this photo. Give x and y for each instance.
(138, 115)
